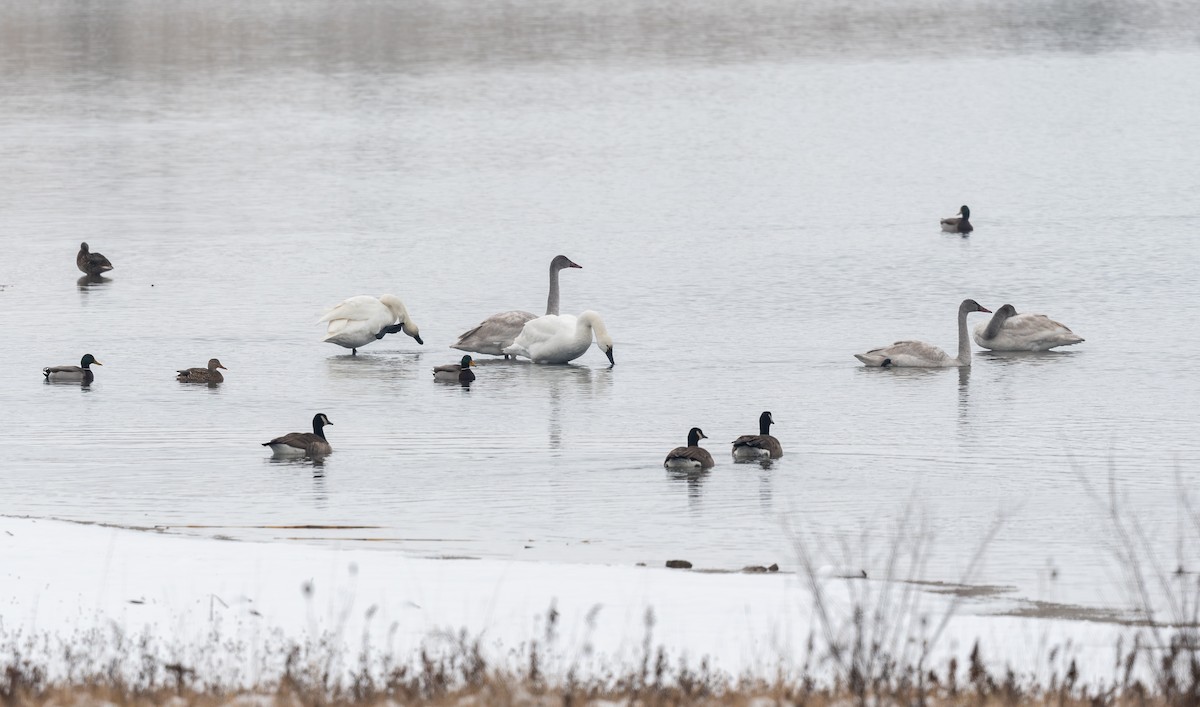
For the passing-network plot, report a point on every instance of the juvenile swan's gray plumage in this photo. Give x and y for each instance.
(497, 332)
(918, 354)
(82, 372)
(761, 445)
(308, 444)
(202, 375)
(91, 263)
(1009, 331)
(693, 456)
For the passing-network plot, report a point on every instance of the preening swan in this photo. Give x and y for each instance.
(918, 354)
(1009, 331)
(91, 263)
(761, 445)
(202, 375)
(362, 319)
(961, 223)
(693, 456)
(497, 332)
(561, 338)
(460, 372)
(300, 444)
(82, 372)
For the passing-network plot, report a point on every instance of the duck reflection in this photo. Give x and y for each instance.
(89, 281)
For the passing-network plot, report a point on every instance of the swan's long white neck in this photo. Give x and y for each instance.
(964, 341)
(590, 322)
(552, 299)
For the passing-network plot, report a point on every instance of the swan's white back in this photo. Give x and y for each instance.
(355, 321)
(559, 338)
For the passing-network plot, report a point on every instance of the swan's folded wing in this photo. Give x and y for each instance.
(359, 307)
(497, 330)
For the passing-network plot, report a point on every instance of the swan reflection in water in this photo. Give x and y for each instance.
(375, 366)
(561, 382)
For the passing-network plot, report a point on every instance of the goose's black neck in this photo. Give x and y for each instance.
(764, 423)
(318, 426)
(694, 438)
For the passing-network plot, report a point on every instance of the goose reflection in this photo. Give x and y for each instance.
(317, 465)
(693, 479)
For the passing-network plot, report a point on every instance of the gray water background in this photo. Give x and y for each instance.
(753, 190)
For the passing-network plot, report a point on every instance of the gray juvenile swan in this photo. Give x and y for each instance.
(761, 445)
(918, 354)
(1009, 331)
(497, 332)
(693, 456)
(303, 444)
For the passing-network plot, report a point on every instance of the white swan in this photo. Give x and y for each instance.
(918, 354)
(497, 332)
(561, 338)
(1009, 331)
(360, 320)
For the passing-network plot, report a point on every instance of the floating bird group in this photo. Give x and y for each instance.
(561, 338)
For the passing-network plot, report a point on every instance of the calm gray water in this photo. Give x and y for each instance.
(753, 191)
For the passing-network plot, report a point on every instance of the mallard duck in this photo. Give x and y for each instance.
(918, 354)
(202, 375)
(960, 223)
(456, 372)
(91, 263)
(761, 445)
(359, 320)
(82, 372)
(693, 456)
(1009, 331)
(497, 332)
(306, 444)
(560, 338)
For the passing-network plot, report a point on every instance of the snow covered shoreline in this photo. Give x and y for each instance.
(61, 579)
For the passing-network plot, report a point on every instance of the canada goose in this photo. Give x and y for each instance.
(960, 223)
(359, 320)
(761, 445)
(693, 456)
(1009, 331)
(456, 372)
(297, 444)
(918, 354)
(497, 332)
(202, 375)
(91, 263)
(82, 372)
(561, 338)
